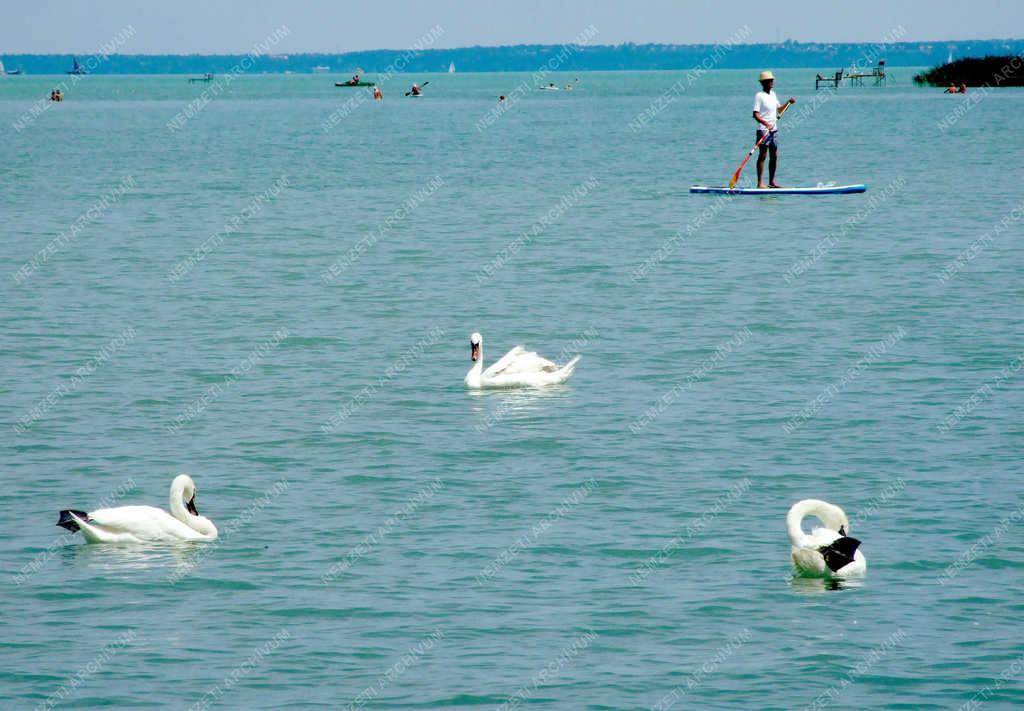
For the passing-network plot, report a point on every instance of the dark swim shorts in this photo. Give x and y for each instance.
(772, 140)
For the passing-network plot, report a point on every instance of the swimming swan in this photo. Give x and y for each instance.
(517, 368)
(139, 524)
(824, 552)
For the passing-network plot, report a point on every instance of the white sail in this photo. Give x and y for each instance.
(2, 70)
(451, 68)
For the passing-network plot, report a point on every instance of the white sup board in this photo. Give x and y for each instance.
(820, 190)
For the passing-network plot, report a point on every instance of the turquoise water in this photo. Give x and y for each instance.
(279, 304)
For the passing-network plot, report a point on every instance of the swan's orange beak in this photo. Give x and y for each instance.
(474, 351)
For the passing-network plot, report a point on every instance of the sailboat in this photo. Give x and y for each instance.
(77, 68)
(451, 68)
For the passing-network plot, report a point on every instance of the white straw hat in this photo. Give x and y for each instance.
(765, 76)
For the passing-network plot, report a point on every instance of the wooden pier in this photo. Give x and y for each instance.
(877, 76)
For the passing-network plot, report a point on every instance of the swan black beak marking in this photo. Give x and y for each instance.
(191, 506)
(474, 351)
(842, 530)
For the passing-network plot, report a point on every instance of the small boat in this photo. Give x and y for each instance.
(205, 78)
(359, 83)
(321, 69)
(819, 190)
(77, 68)
(451, 68)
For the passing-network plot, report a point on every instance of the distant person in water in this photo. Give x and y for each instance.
(766, 113)
(378, 94)
(415, 90)
(963, 88)
(501, 99)
(951, 89)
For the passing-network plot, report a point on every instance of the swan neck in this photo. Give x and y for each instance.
(829, 514)
(199, 524)
(177, 503)
(795, 518)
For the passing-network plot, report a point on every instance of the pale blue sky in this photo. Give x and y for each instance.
(228, 26)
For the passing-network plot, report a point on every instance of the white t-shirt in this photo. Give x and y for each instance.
(767, 105)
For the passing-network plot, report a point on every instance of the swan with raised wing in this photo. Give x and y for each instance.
(517, 368)
(827, 551)
(145, 524)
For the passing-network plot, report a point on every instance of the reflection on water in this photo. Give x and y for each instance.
(493, 405)
(810, 586)
(177, 557)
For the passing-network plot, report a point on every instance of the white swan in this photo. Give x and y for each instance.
(143, 524)
(828, 551)
(517, 368)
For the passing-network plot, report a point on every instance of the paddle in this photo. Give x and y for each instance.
(427, 82)
(736, 176)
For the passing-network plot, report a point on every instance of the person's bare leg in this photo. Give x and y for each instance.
(760, 167)
(772, 163)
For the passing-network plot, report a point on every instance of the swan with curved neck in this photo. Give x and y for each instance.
(517, 368)
(827, 551)
(144, 524)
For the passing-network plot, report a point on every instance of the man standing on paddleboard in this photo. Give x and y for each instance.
(766, 113)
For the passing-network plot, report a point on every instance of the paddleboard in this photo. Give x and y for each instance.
(820, 190)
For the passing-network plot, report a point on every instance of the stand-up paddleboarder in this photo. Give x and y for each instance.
(766, 113)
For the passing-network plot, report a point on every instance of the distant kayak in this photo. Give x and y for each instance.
(361, 83)
(819, 190)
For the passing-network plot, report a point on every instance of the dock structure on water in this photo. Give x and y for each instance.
(205, 78)
(856, 78)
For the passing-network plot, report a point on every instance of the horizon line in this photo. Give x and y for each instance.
(504, 46)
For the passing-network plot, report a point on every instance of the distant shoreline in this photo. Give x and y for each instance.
(822, 56)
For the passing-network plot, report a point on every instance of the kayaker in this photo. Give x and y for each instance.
(766, 113)
(354, 81)
(415, 90)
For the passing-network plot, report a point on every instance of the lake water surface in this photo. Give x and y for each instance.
(275, 295)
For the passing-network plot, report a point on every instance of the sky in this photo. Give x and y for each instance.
(236, 26)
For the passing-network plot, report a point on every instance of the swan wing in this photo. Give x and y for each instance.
(820, 537)
(530, 362)
(136, 523)
(539, 375)
(499, 366)
(519, 360)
